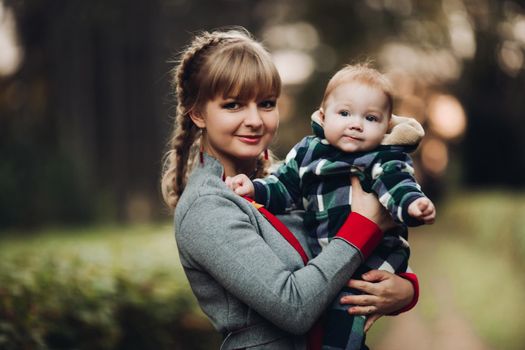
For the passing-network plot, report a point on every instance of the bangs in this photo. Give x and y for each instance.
(243, 73)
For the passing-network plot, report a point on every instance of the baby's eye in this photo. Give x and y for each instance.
(372, 118)
(268, 104)
(344, 113)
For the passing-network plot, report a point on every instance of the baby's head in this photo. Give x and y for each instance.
(356, 108)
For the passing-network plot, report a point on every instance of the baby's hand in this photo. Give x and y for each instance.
(240, 184)
(423, 209)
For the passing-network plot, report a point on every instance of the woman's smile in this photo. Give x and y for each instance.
(250, 139)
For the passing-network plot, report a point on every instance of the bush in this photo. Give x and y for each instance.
(56, 301)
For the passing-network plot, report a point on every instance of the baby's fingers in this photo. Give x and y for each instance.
(242, 190)
(429, 219)
(423, 205)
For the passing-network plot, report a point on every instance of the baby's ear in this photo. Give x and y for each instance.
(403, 131)
(318, 116)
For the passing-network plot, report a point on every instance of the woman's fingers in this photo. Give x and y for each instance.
(384, 293)
(362, 310)
(363, 286)
(356, 186)
(376, 275)
(370, 321)
(365, 204)
(369, 284)
(359, 300)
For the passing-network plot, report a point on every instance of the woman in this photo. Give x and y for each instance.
(248, 279)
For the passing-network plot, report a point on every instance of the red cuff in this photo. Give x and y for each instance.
(412, 277)
(361, 233)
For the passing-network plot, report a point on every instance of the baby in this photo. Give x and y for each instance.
(350, 137)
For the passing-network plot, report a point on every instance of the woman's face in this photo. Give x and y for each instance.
(237, 132)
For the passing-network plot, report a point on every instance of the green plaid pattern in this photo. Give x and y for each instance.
(315, 177)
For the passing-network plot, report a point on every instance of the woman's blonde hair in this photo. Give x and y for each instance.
(362, 73)
(220, 63)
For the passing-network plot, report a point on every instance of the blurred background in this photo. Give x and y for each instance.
(87, 255)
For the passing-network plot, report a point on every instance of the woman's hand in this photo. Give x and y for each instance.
(385, 293)
(368, 205)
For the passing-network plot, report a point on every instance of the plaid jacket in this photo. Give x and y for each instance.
(315, 177)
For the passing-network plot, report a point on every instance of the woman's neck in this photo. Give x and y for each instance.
(234, 166)
(248, 167)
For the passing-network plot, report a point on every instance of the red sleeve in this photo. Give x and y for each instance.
(361, 233)
(412, 277)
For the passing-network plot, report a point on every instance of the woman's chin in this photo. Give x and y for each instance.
(249, 156)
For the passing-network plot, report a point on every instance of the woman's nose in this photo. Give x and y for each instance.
(253, 118)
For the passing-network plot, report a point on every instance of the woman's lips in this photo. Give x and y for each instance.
(250, 139)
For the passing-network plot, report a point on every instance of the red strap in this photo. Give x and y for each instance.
(281, 228)
(315, 335)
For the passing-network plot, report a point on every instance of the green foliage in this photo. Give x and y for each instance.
(95, 290)
(471, 264)
(491, 219)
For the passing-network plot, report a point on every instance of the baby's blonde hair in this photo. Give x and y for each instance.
(220, 63)
(361, 73)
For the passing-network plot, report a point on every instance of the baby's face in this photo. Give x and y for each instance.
(355, 117)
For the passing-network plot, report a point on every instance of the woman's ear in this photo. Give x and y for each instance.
(198, 119)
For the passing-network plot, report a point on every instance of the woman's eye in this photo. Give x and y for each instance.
(372, 118)
(344, 113)
(231, 105)
(268, 104)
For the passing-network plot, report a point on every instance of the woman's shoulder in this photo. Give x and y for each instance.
(207, 198)
(209, 188)
(205, 180)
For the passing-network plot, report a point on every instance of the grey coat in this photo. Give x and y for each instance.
(249, 280)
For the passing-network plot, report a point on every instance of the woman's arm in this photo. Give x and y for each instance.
(217, 237)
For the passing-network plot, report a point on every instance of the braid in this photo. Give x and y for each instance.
(184, 143)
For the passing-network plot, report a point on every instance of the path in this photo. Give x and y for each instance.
(445, 329)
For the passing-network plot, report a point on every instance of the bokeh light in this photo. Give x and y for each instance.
(434, 156)
(299, 35)
(461, 36)
(446, 116)
(430, 66)
(518, 29)
(10, 51)
(294, 66)
(292, 45)
(510, 58)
